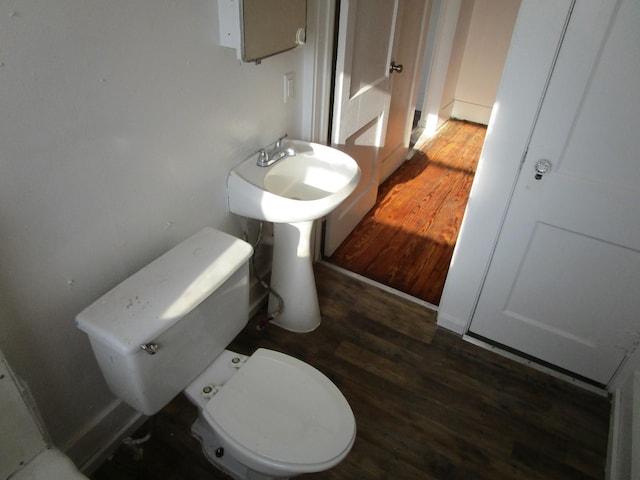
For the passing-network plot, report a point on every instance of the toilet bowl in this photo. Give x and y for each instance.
(25, 454)
(166, 328)
(276, 415)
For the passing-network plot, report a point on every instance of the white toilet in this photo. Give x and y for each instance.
(165, 329)
(25, 454)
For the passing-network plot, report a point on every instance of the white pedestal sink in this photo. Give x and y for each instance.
(293, 193)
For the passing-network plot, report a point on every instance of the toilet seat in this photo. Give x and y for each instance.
(279, 412)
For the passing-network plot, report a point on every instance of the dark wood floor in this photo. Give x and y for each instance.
(428, 405)
(406, 241)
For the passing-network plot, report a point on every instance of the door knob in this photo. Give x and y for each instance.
(542, 166)
(395, 68)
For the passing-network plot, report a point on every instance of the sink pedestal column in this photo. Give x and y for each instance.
(292, 277)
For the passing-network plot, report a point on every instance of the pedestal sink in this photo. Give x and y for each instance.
(307, 184)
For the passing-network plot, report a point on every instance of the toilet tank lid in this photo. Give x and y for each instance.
(157, 296)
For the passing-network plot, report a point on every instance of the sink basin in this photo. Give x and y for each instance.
(302, 187)
(292, 193)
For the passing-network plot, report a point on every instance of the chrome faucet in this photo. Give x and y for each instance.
(267, 158)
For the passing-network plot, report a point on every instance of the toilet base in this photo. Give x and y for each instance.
(227, 463)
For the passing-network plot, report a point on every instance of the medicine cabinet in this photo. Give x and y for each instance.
(261, 28)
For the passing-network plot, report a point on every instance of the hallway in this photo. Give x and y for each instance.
(406, 240)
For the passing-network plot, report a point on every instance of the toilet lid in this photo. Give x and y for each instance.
(284, 411)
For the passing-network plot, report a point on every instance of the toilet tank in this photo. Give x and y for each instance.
(160, 328)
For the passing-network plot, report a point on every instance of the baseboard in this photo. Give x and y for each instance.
(480, 342)
(612, 468)
(380, 286)
(100, 438)
(452, 324)
(471, 112)
(635, 428)
(445, 113)
(623, 454)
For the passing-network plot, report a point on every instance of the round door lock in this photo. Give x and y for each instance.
(542, 166)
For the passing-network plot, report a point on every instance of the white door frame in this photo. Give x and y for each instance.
(447, 13)
(316, 89)
(512, 120)
(511, 123)
(317, 67)
(528, 66)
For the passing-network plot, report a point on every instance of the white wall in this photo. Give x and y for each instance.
(441, 40)
(487, 43)
(455, 60)
(480, 46)
(120, 121)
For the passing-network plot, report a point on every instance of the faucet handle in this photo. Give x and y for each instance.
(279, 141)
(263, 158)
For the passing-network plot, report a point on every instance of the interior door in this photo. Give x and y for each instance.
(564, 279)
(407, 54)
(361, 103)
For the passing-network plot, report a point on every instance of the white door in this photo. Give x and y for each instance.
(407, 53)
(564, 282)
(361, 103)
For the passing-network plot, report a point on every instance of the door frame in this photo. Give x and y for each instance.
(444, 14)
(318, 68)
(534, 47)
(512, 120)
(508, 133)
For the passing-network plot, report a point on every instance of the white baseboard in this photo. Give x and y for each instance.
(623, 455)
(471, 111)
(635, 429)
(380, 286)
(613, 445)
(98, 440)
(452, 324)
(536, 366)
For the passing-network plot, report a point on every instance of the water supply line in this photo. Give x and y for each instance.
(280, 302)
(135, 444)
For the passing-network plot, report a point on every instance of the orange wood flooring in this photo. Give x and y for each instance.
(406, 240)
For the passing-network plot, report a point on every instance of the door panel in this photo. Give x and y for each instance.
(365, 42)
(564, 279)
(361, 105)
(408, 49)
(345, 218)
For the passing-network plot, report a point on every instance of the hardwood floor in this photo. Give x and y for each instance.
(428, 405)
(406, 241)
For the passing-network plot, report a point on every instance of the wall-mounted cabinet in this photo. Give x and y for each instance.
(261, 28)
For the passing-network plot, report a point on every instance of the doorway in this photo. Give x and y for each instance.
(406, 240)
(397, 243)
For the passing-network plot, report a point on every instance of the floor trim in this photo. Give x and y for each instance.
(381, 286)
(541, 368)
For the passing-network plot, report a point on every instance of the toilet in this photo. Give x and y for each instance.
(165, 330)
(25, 454)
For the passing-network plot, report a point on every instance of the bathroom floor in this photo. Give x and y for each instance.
(428, 405)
